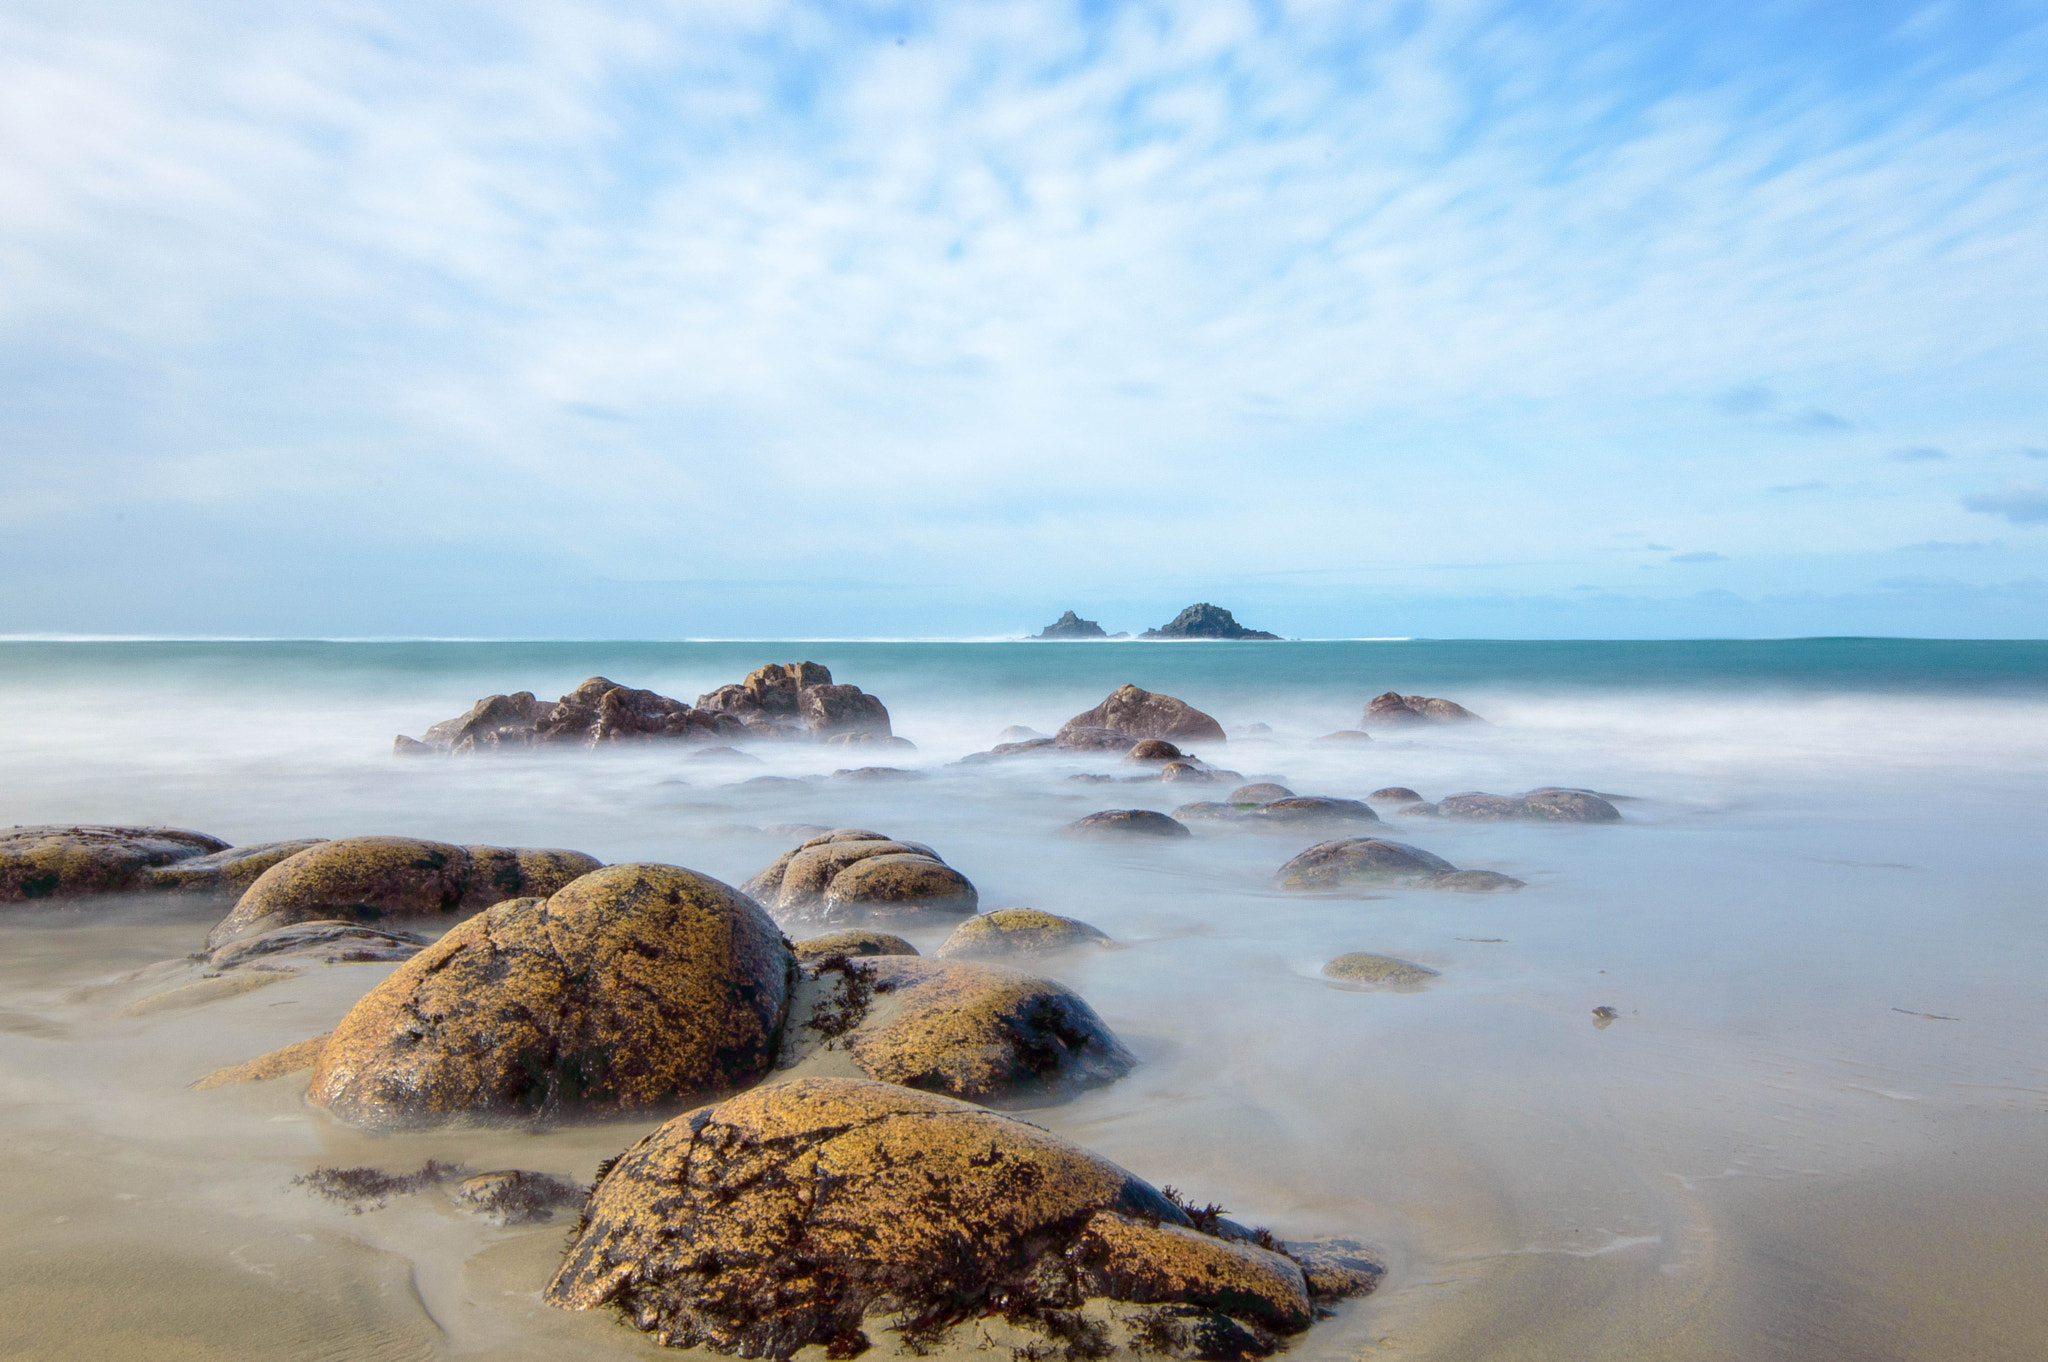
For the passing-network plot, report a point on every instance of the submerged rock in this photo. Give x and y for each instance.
(1378, 971)
(226, 873)
(1259, 792)
(70, 860)
(1153, 749)
(1360, 860)
(1475, 882)
(1213, 811)
(1541, 806)
(1394, 709)
(287, 1059)
(1126, 823)
(329, 943)
(1394, 794)
(1345, 735)
(1136, 713)
(1071, 625)
(1300, 810)
(805, 1212)
(1206, 621)
(378, 879)
(853, 943)
(1019, 733)
(1016, 933)
(634, 986)
(515, 1196)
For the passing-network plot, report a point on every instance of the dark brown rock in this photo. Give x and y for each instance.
(1329, 866)
(1301, 810)
(69, 860)
(1085, 738)
(796, 1214)
(515, 1196)
(1261, 792)
(635, 986)
(1126, 823)
(1141, 714)
(1394, 709)
(1153, 749)
(829, 710)
(1395, 794)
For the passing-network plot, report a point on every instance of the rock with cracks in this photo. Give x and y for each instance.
(68, 861)
(1138, 714)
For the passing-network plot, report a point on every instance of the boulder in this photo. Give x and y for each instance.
(807, 871)
(831, 710)
(1259, 792)
(598, 711)
(864, 738)
(876, 775)
(66, 861)
(1206, 621)
(1017, 933)
(225, 873)
(806, 1212)
(1379, 971)
(1329, 866)
(1422, 810)
(853, 943)
(897, 885)
(1307, 809)
(1018, 733)
(1394, 709)
(1541, 806)
(377, 879)
(1011, 749)
(1481, 808)
(1345, 735)
(327, 943)
(797, 699)
(979, 1032)
(1126, 823)
(1394, 794)
(1141, 714)
(1087, 738)
(1189, 773)
(1071, 625)
(1153, 749)
(634, 986)
(1475, 882)
(1212, 811)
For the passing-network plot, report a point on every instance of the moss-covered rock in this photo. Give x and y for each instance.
(1213, 811)
(906, 884)
(1331, 866)
(805, 1212)
(387, 879)
(853, 943)
(67, 861)
(1378, 971)
(225, 873)
(1017, 933)
(1126, 823)
(634, 986)
(810, 870)
(324, 942)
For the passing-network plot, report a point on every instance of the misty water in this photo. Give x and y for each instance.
(1816, 1127)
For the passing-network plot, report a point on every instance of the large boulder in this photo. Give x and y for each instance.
(1306, 810)
(225, 874)
(851, 942)
(1360, 860)
(597, 712)
(808, 1212)
(1259, 792)
(1206, 621)
(1017, 933)
(822, 879)
(1539, 806)
(1395, 709)
(1126, 823)
(979, 1032)
(634, 986)
(384, 879)
(1141, 714)
(66, 861)
(798, 699)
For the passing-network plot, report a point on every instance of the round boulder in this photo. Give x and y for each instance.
(1260, 792)
(1475, 882)
(1139, 713)
(1569, 806)
(853, 943)
(1482, 808)
(1394, 794)
(1017, 933)
(1337, 865)
(1303, 809)
(61, 861)
(1212, 811)
(1379, 971)
(1154, 749)
(809, 871)
(227, 873)
(1346, 735)
(895, 885)
(1126, 823)
(634, 986)
(793, 1214)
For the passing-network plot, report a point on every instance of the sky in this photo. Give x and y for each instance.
(1484, 318)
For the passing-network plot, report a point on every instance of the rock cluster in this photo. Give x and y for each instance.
(60, 861)
(1332, 867)
(1071, 625)
(1206, 621)
(798, 699)
(1395, 709)
(1130, 714)
(633, 986)
(1254, 805)
(851, 874)
(811, 1211)
(382, 879)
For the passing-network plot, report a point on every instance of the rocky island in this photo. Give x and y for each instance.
(1071, 625)
(1206, 621)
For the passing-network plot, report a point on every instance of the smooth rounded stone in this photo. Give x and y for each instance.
(876, 775)
(635, 986)
(854, 943)
(515, 1196)
(1017, 933)
(1091, 778)
(811, 868)
(1209, 810)
(43, 861)
(1019, 733)
(1126, 823)
(726, 754)
(1394, 794)
(1302, 809)
(842, 835)
(1378, 971)
(1481, 808)
(777, 785)
(1259, 792)
(805, 1212)
(227, 872)
(1569, 806)
(981, 1032)
(895, 885)
(1422, 810)
(1345, 735)
(864, 739)
(1475, 882)
(331, 942)
(1153, 749)
(1394, 708)
(1187, 772)
(375, 879)
(1607, 795)
(1139, 713)
(1360, 860)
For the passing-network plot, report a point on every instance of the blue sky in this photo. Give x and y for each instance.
(763, 319)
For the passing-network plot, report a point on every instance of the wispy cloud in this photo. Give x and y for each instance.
(2022, 503)
(1703, 556)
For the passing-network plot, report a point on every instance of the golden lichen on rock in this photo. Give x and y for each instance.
(634, 986)
(853, 942)
(287, 1059)
(69, 860)
(1017, 933)
(1379, 971)
(850, 874)
(799, 1213)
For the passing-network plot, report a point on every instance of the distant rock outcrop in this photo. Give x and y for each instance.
(1071, 625)
(1206, 621)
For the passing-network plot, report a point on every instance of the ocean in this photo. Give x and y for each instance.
(1812, 1129)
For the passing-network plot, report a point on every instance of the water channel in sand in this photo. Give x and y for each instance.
(1818, 1127)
